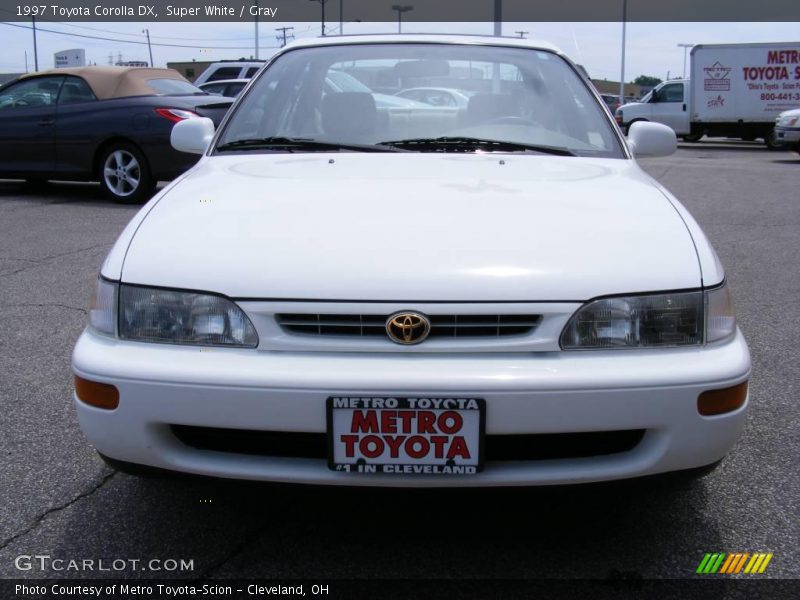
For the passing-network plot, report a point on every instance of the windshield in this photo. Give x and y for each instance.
(337, 95)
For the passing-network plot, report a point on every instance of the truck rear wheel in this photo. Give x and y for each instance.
(692, 137)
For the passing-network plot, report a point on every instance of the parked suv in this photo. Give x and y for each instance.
(229, 69)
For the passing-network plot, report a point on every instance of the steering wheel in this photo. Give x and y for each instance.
(20, 102)
(511, 120)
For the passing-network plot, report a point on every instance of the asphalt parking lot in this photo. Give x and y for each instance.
(58, 498)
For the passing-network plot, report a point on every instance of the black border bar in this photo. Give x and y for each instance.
(444, 11)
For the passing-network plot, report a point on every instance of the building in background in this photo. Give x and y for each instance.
(632, 90)
(190, 69)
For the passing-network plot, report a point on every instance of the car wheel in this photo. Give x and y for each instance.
(124, 174)
(692, 137)
(772, 142)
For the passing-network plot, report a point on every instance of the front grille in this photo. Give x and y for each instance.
(442, 326)
(534, 446)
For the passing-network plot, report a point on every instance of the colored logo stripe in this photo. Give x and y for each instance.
(720, 562)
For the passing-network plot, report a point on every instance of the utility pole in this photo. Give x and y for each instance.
(26, 61)
(282, 38)
(341, 17)
(522, 34)
(498, 18)
(400, 10)
(149, 47)
(35, 49)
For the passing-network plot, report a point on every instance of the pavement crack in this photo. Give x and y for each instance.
(45, 259)
(45, 305)
(208, 572)
(78, 251)
(39, 519)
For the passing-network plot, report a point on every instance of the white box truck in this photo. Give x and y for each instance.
(735, 90)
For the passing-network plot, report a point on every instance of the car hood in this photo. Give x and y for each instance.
(393, 226)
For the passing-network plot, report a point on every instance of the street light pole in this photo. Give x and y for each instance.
(400, 10)
(685, 48)
(322, 18)
(622, 69)
(256, 23)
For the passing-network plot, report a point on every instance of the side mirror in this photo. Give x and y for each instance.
(192, 135)
(646, 138)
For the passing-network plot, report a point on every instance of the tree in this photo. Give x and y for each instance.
(647, 81)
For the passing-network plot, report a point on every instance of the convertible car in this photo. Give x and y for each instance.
(106, 124)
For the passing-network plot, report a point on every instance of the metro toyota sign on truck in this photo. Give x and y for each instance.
(735, 90)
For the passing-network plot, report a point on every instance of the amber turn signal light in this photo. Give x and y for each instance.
(99, 395)
(717, 402)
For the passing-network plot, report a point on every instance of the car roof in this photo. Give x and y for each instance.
(114, 82)
(223, 81)
(433, 38)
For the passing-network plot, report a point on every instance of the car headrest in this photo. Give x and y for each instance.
(348, 114)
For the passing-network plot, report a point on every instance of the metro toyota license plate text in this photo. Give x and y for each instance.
(435, 436)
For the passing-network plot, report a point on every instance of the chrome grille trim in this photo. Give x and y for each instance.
(442, 326)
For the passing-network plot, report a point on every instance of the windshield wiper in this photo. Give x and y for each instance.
(301, 144)
(470, 144)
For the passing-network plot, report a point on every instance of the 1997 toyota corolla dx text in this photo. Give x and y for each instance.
(351, 291)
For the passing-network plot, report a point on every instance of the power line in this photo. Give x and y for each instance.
(141, 42)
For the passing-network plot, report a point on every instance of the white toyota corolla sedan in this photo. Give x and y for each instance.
(351, 294)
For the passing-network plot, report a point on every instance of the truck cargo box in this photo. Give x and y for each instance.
(745, 83)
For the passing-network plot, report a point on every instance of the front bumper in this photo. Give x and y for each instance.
(787, 135)
(547, 392)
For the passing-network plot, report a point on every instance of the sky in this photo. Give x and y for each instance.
(651, 48)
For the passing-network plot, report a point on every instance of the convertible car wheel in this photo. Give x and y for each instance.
(125, 175)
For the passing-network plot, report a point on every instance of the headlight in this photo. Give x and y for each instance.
(167, 316)
(788, 121)
(103, 309)
(675, 319)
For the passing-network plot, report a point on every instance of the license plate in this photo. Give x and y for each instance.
(406, 436)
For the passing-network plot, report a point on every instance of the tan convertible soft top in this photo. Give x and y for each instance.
(116, 82)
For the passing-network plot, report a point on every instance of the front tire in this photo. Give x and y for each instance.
(771, 142)
(124, 174)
